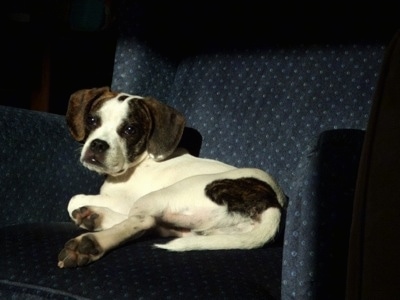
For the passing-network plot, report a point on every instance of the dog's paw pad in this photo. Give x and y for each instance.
(90, 222)
(79, 252)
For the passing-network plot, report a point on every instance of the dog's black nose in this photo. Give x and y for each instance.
(99, 146)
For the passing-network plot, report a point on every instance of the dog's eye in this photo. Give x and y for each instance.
(92, 121)
(129, 130)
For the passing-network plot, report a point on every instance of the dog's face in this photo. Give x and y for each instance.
(120, 130)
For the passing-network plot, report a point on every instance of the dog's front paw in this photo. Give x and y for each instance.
(86, 218)
(79, 252)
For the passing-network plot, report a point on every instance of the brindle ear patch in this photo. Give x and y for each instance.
(247, 196)
(79, 106)
(167, 129)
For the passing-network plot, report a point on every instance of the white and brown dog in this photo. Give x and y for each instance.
(152, 185)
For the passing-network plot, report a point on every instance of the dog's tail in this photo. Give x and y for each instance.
(261, 234)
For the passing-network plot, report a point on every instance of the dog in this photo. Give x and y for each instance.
(152, 185)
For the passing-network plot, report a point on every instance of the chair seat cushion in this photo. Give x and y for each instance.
(135, 270)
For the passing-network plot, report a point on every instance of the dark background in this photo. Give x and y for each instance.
(51, 48)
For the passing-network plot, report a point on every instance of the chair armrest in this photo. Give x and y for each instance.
(318, 220)
(39, 167)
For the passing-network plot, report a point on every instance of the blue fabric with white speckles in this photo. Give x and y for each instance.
(39, 168)
(266, 108)
(134, 271)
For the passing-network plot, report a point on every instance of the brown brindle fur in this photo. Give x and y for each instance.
(247, 196)
(80, 105)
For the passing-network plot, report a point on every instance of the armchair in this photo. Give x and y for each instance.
(298, 110)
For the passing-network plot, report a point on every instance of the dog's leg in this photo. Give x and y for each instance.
(90, 247)
(94, 218)
(91, 211)
(261, 234)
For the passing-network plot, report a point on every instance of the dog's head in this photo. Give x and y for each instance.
(119, 130)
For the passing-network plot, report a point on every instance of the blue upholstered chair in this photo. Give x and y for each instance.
(297, 110)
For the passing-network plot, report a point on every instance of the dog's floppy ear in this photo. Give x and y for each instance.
(79, 106)
(167, 129)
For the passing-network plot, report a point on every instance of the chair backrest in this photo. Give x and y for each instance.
(258, 107)
(284, 107)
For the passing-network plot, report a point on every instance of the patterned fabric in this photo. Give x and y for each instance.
(142, 68)
(266, 108)
(319, 218)
(134, 271)
(39, 168)
(268, 96)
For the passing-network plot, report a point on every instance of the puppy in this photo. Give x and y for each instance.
(152, 185)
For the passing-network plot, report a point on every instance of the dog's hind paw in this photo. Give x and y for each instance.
(79, 252)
